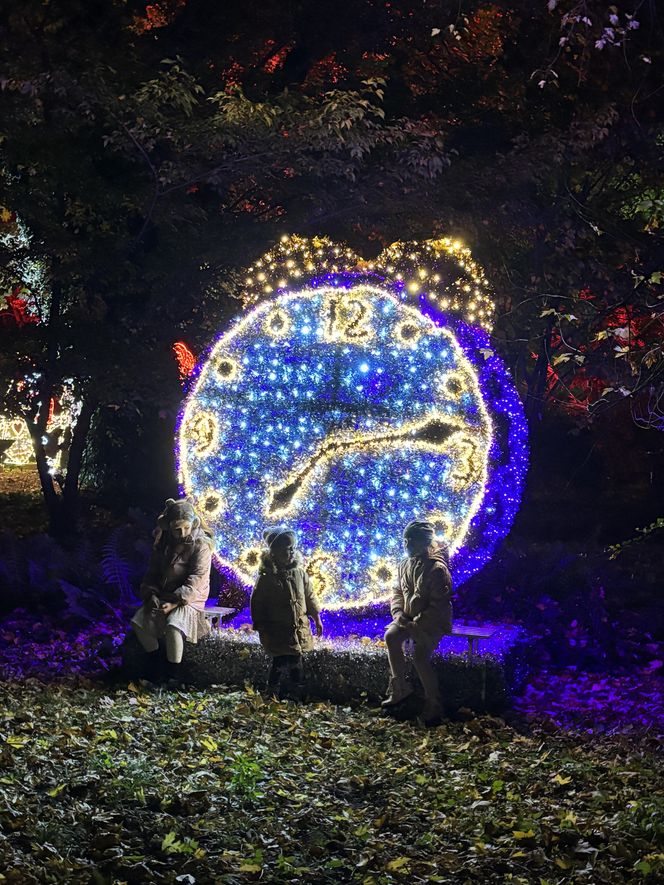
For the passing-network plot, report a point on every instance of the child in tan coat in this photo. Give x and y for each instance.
(282, 602)
(422, 611)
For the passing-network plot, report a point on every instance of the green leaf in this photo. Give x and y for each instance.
(168, 840)
(399, 863)
(523, 834)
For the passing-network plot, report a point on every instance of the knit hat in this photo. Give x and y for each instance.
(176, 510)
(420, 529)
(279, 536)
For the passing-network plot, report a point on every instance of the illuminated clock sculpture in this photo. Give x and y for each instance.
(343, 403)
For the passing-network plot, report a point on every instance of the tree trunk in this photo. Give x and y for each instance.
(69, 509)
(63, 509)
(538, 377)
(37, 430)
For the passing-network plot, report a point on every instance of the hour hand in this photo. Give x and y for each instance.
(431, 433)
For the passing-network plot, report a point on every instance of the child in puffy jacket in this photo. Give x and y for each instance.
(421, 609)
(282, 602)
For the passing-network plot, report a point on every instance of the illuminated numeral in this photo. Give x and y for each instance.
(348, 318)
(203, 433)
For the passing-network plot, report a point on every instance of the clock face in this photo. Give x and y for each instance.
(342, 413)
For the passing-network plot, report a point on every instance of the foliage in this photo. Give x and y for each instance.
(83, 580)
(149, 154)
(582, 608)
(123, 172)
(644, 534)
(120, 565)
(226, 787)
(561, 103)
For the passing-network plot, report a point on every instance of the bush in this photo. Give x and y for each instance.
(341, 671)
(84, 582)
(585, 608)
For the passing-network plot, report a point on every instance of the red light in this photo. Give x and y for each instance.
(185, 359)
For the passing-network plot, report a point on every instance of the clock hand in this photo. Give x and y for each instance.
(432, 433)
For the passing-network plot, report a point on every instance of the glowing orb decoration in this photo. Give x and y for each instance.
(344, 407)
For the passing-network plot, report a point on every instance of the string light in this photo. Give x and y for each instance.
(185, 359)
(361, 413)
(202, 430)
(21, 450)
(59, 426)
(361, 394)
(210, 503)
(442, 271)
(323, 569)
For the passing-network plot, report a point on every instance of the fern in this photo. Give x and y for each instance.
(75, 599)
(116, 568)
(85, 564)
(85, 604)
(12, 562)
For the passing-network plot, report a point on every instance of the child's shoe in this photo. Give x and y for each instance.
(432, 715)
(154, 667)
(398, 690)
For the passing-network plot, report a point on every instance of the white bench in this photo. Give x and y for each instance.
(215, 613)
(473, 635)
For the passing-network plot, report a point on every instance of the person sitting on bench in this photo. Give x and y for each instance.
(421, 609)
(175, 587)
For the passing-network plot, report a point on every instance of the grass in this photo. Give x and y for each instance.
(121, 784)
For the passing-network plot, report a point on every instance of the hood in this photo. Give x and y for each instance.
(197, 534)
(267, 563)
(440, 554)
(435, 553)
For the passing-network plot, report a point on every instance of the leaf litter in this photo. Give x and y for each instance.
(111, 784)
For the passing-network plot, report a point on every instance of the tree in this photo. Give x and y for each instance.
(150, 152)
(128, 178)
(549, 115)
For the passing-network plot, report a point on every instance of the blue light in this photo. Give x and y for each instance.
(271, 422)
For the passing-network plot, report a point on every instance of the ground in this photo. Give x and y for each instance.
(105, 781)
(129, 783)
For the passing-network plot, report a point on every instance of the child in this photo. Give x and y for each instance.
(176, 586)
(282, 602)
(421, 611)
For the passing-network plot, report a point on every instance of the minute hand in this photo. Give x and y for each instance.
(432, 433)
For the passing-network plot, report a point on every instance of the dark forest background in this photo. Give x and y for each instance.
(150, 152)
